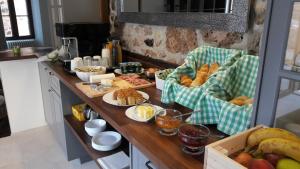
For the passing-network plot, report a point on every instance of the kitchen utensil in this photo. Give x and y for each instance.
(108, 98)
(186, 114)
(106, 141)
(132, 114)
(193, 138)
(89, 113)
(93, 127)
(85, 76)
(166, 121)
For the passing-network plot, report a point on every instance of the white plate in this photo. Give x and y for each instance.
(108, 98)
(118, 71)
(106, 141)
(130, 113)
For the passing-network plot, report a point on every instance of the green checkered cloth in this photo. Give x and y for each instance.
(237, 80)
(188, 97)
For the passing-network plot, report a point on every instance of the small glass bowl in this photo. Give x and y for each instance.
(167, 121)
(193, 137)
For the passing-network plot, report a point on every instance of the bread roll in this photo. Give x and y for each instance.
(213, 68)
(241, 100)
(185, 80)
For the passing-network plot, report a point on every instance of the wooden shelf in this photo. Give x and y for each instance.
(78, 130)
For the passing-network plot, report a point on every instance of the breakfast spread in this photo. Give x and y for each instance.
(270, 148)
(201, 76)
(128, 97)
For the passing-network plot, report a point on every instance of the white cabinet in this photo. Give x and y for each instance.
(52, 104)
(138, 160)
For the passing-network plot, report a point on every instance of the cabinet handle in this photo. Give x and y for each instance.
(147, 164)
(49, 90)
(50, 73)
(45, 68)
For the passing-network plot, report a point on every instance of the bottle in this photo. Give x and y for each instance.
(120, 56)
(107, 59)
(114, 53)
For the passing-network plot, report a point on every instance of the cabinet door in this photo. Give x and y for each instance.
(139, 160)
(44, 80)
(58, 123)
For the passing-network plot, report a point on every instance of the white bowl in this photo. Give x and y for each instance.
(95, 126)
(85, 76)
(106, 141)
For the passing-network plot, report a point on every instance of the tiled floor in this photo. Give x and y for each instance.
(35, 149)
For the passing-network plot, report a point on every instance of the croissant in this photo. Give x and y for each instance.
(204, 68)
(185, 80)
(241, 100)
(213, 68)
(200, 79)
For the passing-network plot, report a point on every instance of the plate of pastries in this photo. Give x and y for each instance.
(202, 75)
(125, 97)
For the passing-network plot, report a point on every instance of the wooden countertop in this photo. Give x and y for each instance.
(164, 152)
(26, 53)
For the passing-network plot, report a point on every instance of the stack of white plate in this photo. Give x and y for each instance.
(106, 141)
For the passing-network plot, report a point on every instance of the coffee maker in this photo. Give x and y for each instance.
(68, 51)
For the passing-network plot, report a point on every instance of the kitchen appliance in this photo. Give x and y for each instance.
(68, 51)
(90, 36)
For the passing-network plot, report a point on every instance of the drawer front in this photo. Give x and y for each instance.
(54, 82)
(139, 160)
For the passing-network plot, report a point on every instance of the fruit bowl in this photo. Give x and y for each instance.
(167, 121)
(193, 138)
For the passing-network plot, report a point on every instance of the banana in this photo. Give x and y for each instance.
(265, 133)
(280, 146)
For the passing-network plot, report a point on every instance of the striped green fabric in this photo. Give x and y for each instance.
(188, 97)
(236, 80)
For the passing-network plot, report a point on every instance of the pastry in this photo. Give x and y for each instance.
(185, 80)
(213, 68)
(241, 100)
(201, 76)
(204, 68)
(128, 96)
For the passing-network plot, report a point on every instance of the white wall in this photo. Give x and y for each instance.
(22, 93)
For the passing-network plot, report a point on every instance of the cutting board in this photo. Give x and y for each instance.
(117, 84)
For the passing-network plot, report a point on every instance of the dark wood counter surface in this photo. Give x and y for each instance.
(26, 53)
(164, 152)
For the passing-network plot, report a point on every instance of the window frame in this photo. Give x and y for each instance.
(14, 24)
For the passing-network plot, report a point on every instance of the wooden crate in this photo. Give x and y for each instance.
(216, 154)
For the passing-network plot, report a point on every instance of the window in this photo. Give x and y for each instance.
(17, 19)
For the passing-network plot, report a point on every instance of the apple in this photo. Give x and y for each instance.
(273, 158)
(243, 158)
(260, 164)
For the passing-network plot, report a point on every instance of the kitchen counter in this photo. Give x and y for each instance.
(164, 152)
(26, 53)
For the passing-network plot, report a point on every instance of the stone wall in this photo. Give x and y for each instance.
(173, 43)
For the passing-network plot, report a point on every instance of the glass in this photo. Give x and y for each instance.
(7, 26)
(288, 108)
(87, 61)
(168, 121)
(95, 62)
(292, 55)
(23, 25)
(158, 6)
(20, 7)
(193, 138)
(4, 7)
